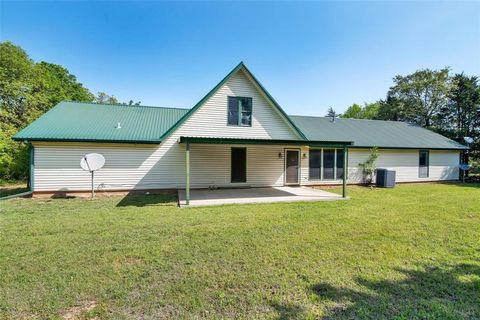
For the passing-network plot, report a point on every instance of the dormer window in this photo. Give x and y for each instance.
(240, 111)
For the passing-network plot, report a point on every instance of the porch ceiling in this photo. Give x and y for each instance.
(220, 140)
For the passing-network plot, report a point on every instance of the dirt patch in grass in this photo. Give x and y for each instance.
(76, 311)
(120, 262)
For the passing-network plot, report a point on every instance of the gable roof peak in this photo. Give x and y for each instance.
(234, 71)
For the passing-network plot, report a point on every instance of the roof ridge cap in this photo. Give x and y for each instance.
(340, 118)
(122, 105)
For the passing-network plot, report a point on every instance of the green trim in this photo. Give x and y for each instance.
(405, 148)
(207, 140)
(31, 177)
(90, 140)
(345, 169)
(240, 66)
(187, 174)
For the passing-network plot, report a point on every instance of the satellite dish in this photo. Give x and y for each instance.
(92, 162)
(468, 139)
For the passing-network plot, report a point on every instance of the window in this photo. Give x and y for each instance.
(314, 163)
(423, 163)
(328, 164)
(239, 165)
(239, 111)
(325, 164)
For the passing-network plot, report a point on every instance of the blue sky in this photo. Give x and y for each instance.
(309, 55)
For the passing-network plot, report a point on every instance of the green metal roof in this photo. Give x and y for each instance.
(75, 121)
(369, 133)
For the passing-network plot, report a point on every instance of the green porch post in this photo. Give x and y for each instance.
(187, 173)
(345, 170)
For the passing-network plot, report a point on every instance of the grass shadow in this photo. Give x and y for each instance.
(289, 311)
(9, 191)
(428, 293)
(136, 200)
(467, 184)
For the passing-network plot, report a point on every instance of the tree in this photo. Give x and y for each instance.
(419, 96)
(368, 167)
(355, 111)
(331, 113)
(27, 90)
(104, 98)
(391, 109)
(460, 118)
(132, 103)
(368, 111)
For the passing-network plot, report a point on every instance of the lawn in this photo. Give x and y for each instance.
(412, 252)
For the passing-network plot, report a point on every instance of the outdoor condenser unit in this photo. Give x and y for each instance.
(385, 178)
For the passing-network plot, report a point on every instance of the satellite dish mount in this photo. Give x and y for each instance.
(92, 162)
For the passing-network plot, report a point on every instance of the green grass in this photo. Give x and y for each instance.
(412, 252)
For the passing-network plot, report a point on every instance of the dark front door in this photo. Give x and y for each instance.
(292, 161)
(239, 165)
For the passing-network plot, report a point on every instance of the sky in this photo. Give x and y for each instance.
(308, 55)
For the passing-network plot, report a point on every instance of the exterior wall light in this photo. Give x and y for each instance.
(279, 155)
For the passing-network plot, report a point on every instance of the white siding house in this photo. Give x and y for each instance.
(149, 150)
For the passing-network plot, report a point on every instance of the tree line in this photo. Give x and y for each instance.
(28, 89)
(434, 99)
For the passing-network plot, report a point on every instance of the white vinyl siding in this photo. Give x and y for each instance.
(443, 164)
(57, 167)
(128, 166)
(210, 120)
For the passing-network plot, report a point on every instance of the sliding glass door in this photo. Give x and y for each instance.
(328, 164)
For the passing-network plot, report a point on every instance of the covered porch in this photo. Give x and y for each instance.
(263, 168)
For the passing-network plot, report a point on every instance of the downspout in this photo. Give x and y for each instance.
(345, 170)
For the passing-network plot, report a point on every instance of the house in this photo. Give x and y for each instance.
(237, 135)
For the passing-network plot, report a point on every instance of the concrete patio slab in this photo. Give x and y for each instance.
(207, 197)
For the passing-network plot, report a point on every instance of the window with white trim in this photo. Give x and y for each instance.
(240, 111)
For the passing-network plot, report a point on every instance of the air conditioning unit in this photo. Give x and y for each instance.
(385, 178)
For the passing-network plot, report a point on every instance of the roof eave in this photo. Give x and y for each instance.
(86, 140)
(411, 148)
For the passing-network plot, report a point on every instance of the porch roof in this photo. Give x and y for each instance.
(225, 140)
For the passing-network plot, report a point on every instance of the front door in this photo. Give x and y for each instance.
(292, 166)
